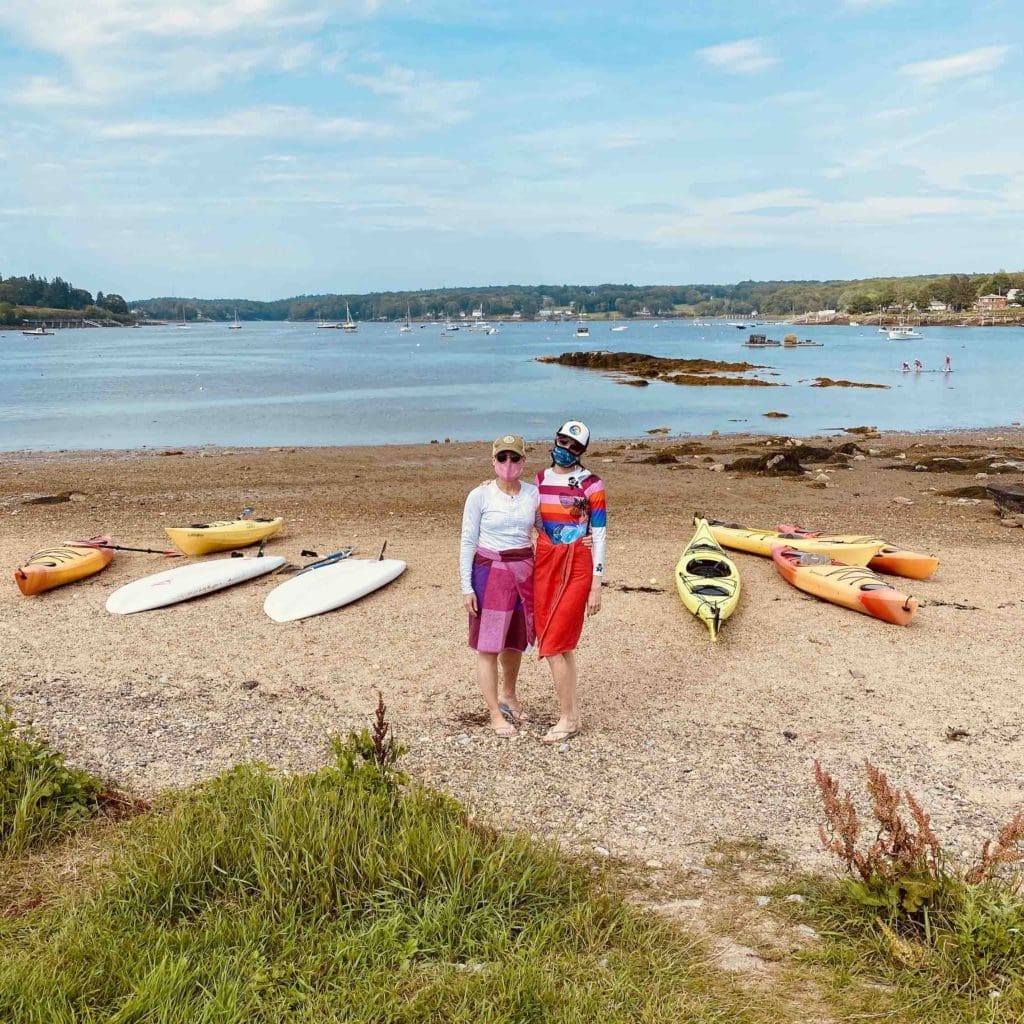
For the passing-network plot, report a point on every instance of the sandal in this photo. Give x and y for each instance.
(504, 732)
(513, 715)
(559, 735)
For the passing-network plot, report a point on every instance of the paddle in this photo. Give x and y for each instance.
(121, 547)
(331, 559)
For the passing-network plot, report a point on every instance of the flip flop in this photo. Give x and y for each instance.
(502, 734)
(512, 716)
(559, 735)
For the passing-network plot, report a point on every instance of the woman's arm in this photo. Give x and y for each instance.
(471, 515)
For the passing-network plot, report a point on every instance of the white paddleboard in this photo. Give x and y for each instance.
(329, 586)
(188, 581)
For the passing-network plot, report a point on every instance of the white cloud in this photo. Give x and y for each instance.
(260, 122)
(421, 95)
(741, 57)
(963, 65)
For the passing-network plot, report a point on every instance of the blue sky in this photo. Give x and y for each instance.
(264, 148)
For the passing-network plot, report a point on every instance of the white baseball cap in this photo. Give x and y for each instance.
(577, 430)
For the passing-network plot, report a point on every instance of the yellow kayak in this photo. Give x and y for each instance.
(708, 580)
(204, 538)
(851, 551)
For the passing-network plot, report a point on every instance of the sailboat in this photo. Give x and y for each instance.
(582, 330)
(407, 326)
(183, 326)
(236, 326)
(349, 325)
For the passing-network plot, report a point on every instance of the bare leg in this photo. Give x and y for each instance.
(563, 672)
(487, 678)
(510, 661)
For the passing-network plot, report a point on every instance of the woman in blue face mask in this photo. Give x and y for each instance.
(567, 572)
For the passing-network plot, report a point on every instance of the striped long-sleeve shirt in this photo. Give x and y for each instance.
(572, 505)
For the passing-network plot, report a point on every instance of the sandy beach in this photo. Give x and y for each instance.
(685, 742)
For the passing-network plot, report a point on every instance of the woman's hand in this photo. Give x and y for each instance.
(594, 597)
(587, 540)
(469, 601)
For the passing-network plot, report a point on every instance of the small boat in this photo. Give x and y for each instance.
(183, 325)
(224, 535)
(891, 559)
(326, 325)
(708, 580)
(53, 567)
(760, 341)
(582, 330)
(855, 323)
(902, 333)
(349, 325)
(622, 327)
(236, 326)
(449, 326)
(851, 586)
(738, 326)
(38, 332)
(760, 542)
(407, 326)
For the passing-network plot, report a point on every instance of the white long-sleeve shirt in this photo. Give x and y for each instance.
(497, 521)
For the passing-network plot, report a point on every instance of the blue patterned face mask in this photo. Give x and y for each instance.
(563, 457)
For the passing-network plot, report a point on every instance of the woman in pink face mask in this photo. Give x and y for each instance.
(496, 570)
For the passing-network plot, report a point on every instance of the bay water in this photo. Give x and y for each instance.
(294, 384)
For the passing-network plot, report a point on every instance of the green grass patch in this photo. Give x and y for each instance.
(346, 895)
(41, 797)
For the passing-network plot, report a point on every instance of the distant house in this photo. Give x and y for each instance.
(546, 314)
(825, 315)
(645, 313)
(1015, 295)
(938, 307)
(987, 302)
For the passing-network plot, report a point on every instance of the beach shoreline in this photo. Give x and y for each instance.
(685, 742)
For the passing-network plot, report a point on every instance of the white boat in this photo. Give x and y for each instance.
(622, 327)
(854, 323)
(326, 325)
(449, 326)
(902, 333)
(736, 324)
(582, 330)
(183, 326)
(407, 326)
(236, 326)
(37, 332)
(349, 325)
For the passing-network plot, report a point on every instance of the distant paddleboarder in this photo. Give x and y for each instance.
(948, 365)
(918, 366)
(906, 366)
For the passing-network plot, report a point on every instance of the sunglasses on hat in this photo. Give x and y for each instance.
(514, 456)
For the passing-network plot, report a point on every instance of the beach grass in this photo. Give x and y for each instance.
(345, 894)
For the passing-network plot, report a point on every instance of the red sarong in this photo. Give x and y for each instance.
(562, 576)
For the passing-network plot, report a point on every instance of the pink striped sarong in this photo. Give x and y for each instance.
(503, 584)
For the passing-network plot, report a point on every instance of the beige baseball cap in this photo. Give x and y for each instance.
(509, 443)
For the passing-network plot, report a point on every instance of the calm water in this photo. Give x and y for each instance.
(272, 384)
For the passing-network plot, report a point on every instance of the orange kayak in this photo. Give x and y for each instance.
(895, 561)
(53, 567)
(851, 586)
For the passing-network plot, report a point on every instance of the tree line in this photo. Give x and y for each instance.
(19, 296)
(22, 295)
(958, 291)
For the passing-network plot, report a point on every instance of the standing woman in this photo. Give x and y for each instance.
(568, 573)
(496, 570)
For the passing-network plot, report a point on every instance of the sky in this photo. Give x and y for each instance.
(269, 148)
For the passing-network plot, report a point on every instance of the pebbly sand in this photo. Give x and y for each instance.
(685, 743)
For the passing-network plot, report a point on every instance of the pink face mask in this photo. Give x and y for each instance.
(508, 470)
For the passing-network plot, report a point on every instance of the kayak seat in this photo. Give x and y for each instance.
(707, 567)
(876, 586)
(710, 590)
(199, 526)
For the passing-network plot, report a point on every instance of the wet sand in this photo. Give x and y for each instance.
(685, 742)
